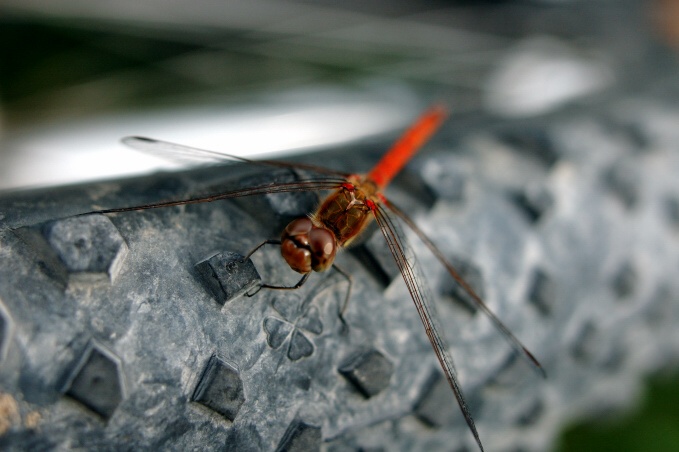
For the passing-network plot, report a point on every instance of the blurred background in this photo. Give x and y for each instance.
(258, 77)
(265, 77)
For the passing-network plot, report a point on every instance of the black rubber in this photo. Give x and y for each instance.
(135, 330)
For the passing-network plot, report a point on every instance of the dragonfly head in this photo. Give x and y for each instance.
(306, 247)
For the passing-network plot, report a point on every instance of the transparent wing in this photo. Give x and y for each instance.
(407, 264)
(183, 153)
(177, 152)
(286, 187)
(513, 341)
(327, 180)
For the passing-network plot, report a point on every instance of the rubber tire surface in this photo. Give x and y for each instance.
(135, 331)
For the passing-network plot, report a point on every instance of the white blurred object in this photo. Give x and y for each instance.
(540, 75)
(286, 123)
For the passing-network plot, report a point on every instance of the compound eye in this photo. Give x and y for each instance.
(323, 248)
(297, 257)
(297, 227)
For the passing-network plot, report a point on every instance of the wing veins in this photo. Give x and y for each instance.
(502, 328)
(305, 185)
(427, 313)
(167, 149)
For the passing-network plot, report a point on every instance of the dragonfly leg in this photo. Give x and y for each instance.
(265, 242)
(299, 284)
(253, 251)
(345, 303)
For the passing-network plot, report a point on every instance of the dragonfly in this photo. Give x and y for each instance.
(310, 244)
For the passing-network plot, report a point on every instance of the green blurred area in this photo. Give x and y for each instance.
(61, 72)
(58, 69)
(46, 57)
(653, 427)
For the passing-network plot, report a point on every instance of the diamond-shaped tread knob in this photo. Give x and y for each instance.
(299, 437)
(220, 388)
(472, 274)
(369, 371)
(96, 381)
(434, 407)
(89, 244)
(375, 256)
(5, 331)
(227, 276)
(542, 292)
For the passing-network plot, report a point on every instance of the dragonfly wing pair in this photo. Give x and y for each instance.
(419, 292)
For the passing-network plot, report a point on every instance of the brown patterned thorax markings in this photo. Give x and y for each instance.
(345, 211)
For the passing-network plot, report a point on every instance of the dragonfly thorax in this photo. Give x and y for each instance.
(306, 247)
(347, 211)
